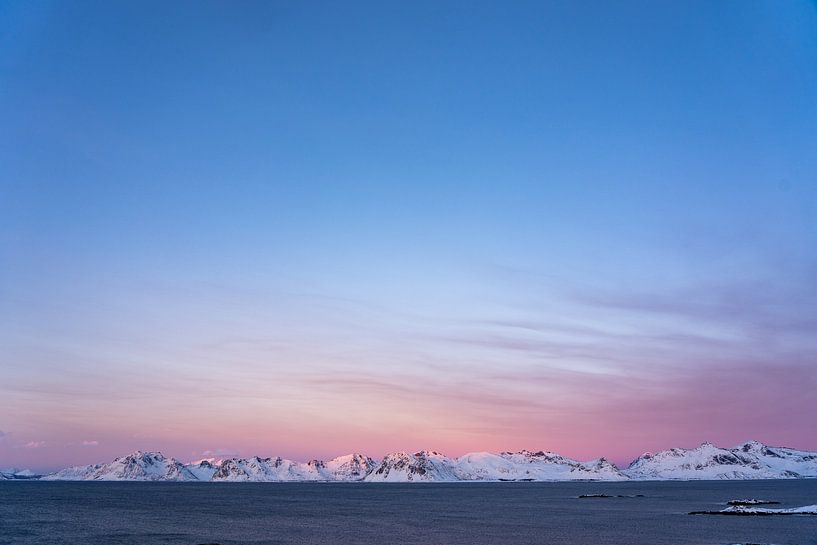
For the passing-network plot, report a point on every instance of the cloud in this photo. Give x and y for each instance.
(90, 443)
(35, 444)
(2, 435)
(219, 452)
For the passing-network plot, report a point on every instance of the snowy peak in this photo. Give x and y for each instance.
(204, 469)
(153, 466)
(792, 462)
(532, 466)
(139, 466)
(420, 466)
(146, 466)
(14, 474)
(265, 469)
(352, 467)
(603, 466)
(751, 460)
(485, 466)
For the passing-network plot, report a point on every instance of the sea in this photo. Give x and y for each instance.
(646, 513)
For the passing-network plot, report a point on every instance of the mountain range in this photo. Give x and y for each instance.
(17, 475)
(751, 460)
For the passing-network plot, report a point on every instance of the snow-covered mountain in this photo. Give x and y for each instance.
(751, 460)
(532, 466)
(783, 460)
(352, 467)
(260, 469)
(139, 466)
(153, 466)
(204, 470)
(14, 474)
(421, 466)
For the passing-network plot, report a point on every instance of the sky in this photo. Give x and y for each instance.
(305, 229)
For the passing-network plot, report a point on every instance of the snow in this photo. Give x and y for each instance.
(139, 466)
(533, 466)
(741, 509)
(751, 460)
(751, 501)
(423, 466)
(14, 473)
(203, 470)
(352, 467)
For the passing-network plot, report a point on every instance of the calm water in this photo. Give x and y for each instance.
(359, 513)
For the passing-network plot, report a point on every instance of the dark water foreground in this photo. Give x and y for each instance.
(90, 513)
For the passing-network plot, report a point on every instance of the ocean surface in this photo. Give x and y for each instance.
(90, 513)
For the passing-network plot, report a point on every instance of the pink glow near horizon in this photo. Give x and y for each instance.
(590, 229)
(620, 395)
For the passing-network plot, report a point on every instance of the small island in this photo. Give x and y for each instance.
(741, 510)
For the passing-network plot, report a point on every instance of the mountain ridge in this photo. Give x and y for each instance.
(749, 460)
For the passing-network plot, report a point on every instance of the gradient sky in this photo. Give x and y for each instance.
(304, 229)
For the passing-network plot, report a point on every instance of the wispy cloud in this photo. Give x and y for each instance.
(219, 452)
(577, 370)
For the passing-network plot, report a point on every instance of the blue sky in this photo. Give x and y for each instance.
(262, 208)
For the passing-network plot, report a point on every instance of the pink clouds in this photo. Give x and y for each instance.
(219, 452)
(578, 413)
(593, 376)
(592, 414)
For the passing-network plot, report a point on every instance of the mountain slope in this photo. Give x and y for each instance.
(751, 460)
(352, 467)
(422, 466)
(782, 460)
(14, 474)
(532, 466)
(139, 466)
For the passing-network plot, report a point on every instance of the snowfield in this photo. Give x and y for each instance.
(751, 501)
(13, 474)
(743, 510)
(139, 466)
(532, 466)
(751, 460)
(805, 510)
